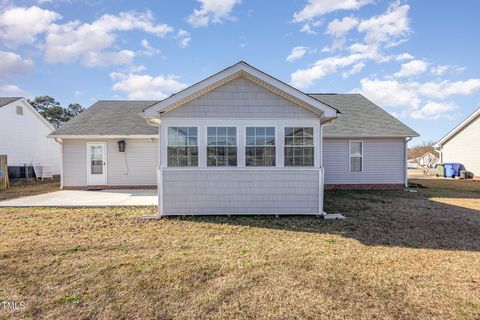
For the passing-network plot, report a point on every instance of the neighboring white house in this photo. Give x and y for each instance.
(462, 144)
(23, 136)
(238, 142)
(427, 160)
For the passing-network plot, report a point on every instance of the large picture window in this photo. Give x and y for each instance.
(182, 147)
(221, 146)
(260, 147)
(299, 150)
(356, 156)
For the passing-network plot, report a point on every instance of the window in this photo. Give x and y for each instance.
(182, 147)
(299, 147)
(356, 156)
(221, 146)
(20, 110)
(260, 146)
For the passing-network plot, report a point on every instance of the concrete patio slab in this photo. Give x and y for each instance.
(82, 198)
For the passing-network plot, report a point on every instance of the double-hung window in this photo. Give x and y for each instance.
(182, 147)
(299, 150)
(221, 146)
(356, 156)
(260, 147)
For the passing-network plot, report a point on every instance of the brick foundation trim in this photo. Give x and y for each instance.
(364, 186)
(136, 187)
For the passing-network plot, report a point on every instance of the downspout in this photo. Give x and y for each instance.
(406, 160)
(58, 140)
(322, 170)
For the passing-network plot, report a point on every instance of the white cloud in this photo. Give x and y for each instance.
(184, 38)
(297, 53)
(441, 69)
(316, 8)
(12, 63)
(433, 110)
(11, 90)
(404, 56)
(409, 96)
(338, 28)
(304, 78)
(355, 69)
(212, 11)
(388, 27)
(412, 68)
(149, 50)
(138, 86)
(22, 25)
(88, 42)
(307, 29)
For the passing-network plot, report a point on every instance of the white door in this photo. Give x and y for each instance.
(96, 163)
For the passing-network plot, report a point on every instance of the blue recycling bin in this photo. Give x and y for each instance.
(455, 169)
(449, 171)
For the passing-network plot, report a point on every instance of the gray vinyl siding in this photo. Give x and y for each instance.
(74, 163)
(141, 156)
(234, 191)
(464, 147)
(383, 162)
(240, 98)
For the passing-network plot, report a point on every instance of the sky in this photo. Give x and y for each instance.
(418, 60)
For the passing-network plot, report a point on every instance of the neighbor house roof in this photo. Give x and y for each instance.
(459, 128)
(110, 118)
(361, 118)
(6, 100)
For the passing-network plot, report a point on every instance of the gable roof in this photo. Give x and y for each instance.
(110, 118)
(362, 118)
(241, 69)
(458, 128)
(4, 101)
(7, 100)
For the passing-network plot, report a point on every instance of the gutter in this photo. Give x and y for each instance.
(406, 160)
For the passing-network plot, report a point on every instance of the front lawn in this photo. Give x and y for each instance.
(399, 255)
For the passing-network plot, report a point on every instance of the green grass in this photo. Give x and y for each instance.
(399, 255)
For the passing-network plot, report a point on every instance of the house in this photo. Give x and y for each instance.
(462, 144)
(23, 138)
(238, 142)
(427, 160)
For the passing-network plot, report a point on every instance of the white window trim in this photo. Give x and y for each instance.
(237, 140)
(316, 132)
(275, 127)
(240, 124)
(167, 145)
(350, 156)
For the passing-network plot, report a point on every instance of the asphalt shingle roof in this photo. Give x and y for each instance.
(6, 100)
(110, 118)
(361, 117)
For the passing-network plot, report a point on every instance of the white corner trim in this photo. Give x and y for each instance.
(455, 130)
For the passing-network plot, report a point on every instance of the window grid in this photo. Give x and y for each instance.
(356, 156)
(182, 147)
(299, 149)
(260, 147)
(221, 146)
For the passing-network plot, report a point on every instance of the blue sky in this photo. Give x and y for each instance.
(416, 59)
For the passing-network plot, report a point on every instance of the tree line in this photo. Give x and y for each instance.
(52, 110)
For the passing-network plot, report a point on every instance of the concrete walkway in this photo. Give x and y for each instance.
(80, 198)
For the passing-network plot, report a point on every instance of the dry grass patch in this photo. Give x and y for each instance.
(29, 188)
(397, 256)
